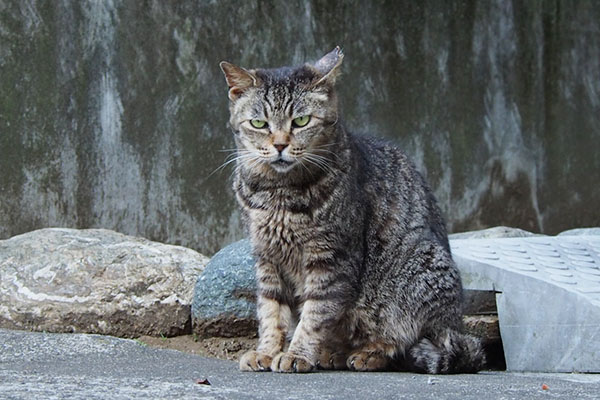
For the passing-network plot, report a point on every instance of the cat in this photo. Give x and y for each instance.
(353, 262)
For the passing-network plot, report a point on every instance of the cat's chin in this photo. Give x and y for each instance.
(282, 166)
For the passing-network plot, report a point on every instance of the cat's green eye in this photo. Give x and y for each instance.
(258, 123)
(301, 121)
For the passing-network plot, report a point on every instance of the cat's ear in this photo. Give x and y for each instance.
(328, 66)
(238, 79)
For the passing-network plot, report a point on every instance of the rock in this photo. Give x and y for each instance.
(224, 297)
(548, 300)
(580, 232)
(96, 281)
(224, 303)
(485, 327)
(493, 233)
(479, 302)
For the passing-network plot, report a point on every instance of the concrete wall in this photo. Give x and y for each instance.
(113, 113)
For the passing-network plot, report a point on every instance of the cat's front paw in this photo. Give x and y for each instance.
(288, 362)
(255, 361)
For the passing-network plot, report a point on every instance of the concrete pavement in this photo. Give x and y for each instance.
(76, 366)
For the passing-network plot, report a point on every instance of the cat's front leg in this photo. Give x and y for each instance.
(309, 335)
(274, 318)
(325, 294)
(301, 355)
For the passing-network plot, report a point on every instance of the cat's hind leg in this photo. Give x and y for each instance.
(374, 356)
(332, 358)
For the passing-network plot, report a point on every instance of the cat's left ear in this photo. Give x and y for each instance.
(238, 79)
(328, 66)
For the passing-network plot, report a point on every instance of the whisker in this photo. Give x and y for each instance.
(319, 166)
(322, 149)
(245, 155)
(317, 150)
(326, 145)
(337, 117)
(301, 162)
(254, 160)
(320, 157)
(321, 162)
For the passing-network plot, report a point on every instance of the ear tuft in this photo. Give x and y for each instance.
(238, 79)
(328, 66)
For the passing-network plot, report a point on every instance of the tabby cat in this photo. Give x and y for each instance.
(353, 262)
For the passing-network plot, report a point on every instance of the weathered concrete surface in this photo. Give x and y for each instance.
(113, 113)
(548, 297)
(96, 281)
(74, 366)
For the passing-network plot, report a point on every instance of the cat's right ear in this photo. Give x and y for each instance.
(238, 79)
(328, 66)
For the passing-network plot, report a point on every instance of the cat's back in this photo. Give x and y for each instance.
(400, 200)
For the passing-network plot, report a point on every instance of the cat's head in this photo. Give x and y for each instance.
(284, 118)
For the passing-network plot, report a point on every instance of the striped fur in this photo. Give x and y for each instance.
(353, 262)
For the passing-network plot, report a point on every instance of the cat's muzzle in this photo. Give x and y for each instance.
(281, 165)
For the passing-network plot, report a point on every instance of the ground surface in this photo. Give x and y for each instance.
(485, 326)
(74, 366)
(223, 348)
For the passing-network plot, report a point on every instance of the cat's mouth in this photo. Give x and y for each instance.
(281, 165)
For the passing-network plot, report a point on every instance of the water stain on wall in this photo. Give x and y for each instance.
(113, 113)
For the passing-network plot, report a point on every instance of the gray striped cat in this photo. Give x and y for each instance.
(353, 262)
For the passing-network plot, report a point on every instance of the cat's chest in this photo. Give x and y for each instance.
(280, 236)
(279, 230)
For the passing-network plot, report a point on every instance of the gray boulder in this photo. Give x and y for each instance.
(224, 298)
(96, 281)
(225, 301)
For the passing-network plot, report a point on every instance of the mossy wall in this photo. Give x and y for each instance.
(113, 113)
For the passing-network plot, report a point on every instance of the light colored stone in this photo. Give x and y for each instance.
(493, 233)
(96, 281)
(581, 231)
(548, 297)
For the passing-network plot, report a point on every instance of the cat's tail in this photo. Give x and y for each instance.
(451, 352)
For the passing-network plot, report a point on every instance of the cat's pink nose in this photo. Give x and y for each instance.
(280, 147)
